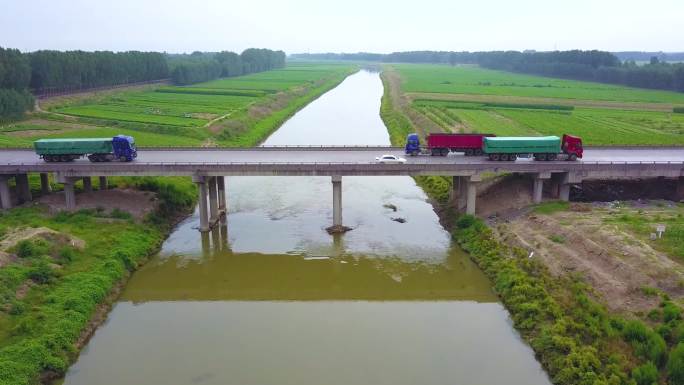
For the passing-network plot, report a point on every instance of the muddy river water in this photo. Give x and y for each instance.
(271, 298)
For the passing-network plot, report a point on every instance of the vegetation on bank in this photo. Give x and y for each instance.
(52, 287)
(575, 338)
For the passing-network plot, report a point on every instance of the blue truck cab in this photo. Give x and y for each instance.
(412, 145)
(124, 148)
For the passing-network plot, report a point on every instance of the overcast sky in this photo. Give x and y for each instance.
(343, 25)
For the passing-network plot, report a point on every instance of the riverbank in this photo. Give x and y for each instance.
(58, 282)
(575, 337)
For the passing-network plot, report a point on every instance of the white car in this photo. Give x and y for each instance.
(390, 159)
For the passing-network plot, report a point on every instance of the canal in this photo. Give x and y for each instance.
(271, 298)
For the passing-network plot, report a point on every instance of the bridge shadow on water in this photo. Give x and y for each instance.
(220, 274)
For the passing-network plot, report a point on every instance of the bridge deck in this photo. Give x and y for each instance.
(346, 161)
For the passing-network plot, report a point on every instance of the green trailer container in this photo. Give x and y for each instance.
(73, 146)
(522, 145)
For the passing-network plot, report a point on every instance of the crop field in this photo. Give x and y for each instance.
(429, 87)
(417, 78)
(179, 115)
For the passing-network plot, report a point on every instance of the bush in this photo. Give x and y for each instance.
(675, 365)
(647, 344)
(671, 312)
(41, 273)
(120, 214)
(646, 374)
(28, 248)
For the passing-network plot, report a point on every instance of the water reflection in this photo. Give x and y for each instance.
(221, 274)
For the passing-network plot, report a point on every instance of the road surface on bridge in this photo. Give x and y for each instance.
(341, 155)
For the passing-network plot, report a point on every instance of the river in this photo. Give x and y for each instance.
(271, 298)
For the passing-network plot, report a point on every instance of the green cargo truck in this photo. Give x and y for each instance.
(541, 148)
(120, 147)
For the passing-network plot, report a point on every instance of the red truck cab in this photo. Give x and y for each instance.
(572, 146)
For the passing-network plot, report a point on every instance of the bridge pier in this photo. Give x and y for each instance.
(471, 197)
(221, 184)
(23, 188)
(201, 182)
(337, 226)
(103, 183)
(213, 201)
(5, 195)
(566, 182)
(458, 192)
(337, 200)
(538, 188)
(69, 191)
(45, 187)
(87, 184)
(680, 189)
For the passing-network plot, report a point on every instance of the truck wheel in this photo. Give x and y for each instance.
(445, 151)
(495, 157)
(469, 152)
(122, 159)
(478, 152)
(541, 157)
(513, 157)
(551, 157)
(504, 157)
(572, 157)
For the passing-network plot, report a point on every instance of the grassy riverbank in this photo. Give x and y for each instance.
(59, 269)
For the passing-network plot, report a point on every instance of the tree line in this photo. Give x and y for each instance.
(79, 69)
(202, 66)
(15, 76)
(48, 70)
(598, 66)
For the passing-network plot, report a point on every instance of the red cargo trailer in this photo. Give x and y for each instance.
(470, 144)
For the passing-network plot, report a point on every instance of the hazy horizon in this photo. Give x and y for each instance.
(307, 26)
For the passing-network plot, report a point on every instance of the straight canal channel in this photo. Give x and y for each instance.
(271, 298)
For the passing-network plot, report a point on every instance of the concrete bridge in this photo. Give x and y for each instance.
(208, 166)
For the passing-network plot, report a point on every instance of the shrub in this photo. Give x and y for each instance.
(671, 312)
(646, 374)
(67, 253)
(120, 214)
(28, 248)
(647, 344)
(675, 365)
(41, 273)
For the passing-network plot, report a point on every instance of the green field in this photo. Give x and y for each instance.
(215, 112)
(475, 80)
(470, 99)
